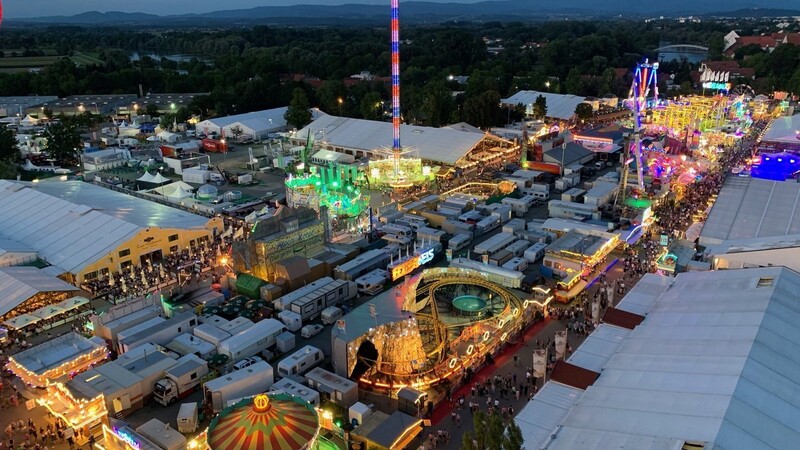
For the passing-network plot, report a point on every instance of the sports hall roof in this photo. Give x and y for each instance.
(713, 362)
(442, 145)
(73, 224)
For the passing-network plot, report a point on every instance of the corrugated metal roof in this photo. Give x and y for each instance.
(715, 361)
(73, 224)
(559, 106)
(21, 283)
(595, 351)
(256, 121)
(443, 145)
(753, 208)
(539, 418)
(783, 129)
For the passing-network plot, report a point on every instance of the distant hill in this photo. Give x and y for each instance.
(428, 12)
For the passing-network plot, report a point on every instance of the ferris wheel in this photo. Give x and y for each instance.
(743, 90)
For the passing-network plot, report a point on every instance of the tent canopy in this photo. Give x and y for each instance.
(74, 302)
(18, 284)
(146, 178)
(28, 120)
(180, 193)
(22, 321)
(48, 311)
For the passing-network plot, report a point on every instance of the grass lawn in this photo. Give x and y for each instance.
(28, 61)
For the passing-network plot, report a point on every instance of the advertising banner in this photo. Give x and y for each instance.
(561, 344)
(539, 363)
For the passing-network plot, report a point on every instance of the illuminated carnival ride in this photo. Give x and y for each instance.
(273, 421)
(454, 320)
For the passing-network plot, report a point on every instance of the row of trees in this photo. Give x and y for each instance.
(489, 432)
(260, 68)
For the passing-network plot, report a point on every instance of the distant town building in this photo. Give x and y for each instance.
(74, 105)
(766, 42)
(17, 106)
(166, 103)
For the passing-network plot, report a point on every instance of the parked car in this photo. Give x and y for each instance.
(311, 330)
(246, 362)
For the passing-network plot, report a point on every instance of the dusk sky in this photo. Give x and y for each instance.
(38, 8)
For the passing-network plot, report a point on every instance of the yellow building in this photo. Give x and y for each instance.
(85, 231)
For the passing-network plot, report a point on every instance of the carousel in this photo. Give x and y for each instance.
(264, 422)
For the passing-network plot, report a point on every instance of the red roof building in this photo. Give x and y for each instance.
(766, 42)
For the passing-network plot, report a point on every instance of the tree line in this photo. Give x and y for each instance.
(261, 67)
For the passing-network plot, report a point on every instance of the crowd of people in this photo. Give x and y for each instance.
(20, 435)
(186, 265)
(674, 216)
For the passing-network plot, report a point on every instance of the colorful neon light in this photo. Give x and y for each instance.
(644, 77)
(408, 266)
(717, 85)
(126, 438)
(396, 74)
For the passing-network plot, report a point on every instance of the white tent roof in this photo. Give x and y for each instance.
(22, 321)
(28, 120)
(74, 302)
(165, 135)
(539, 417)
(180, 193)
(442, 145)
(784, 129)
(252, 122)
(49, 311)
(147, 177)
(76, 223)
(159, 179)
(714, 361)
(559, 106)
(21, 283)
(168, 189)
(753, 208)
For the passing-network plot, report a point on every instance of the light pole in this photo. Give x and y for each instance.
(340, 101)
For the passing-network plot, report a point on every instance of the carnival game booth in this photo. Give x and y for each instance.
(59, 357)
(271, 421)
(77, 412)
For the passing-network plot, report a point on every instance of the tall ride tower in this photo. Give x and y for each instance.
(396, 151)
(644, 78)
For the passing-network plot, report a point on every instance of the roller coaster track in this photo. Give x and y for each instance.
(433, 331)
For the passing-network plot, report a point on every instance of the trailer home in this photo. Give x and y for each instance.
(301, 361)
(251, 341)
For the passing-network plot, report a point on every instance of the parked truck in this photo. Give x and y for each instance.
(249, 381)
(215, 146)
(251, 341)
(180, 380)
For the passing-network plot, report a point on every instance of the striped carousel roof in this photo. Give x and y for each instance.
(280, 422)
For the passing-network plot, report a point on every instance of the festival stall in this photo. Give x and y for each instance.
(59, 357)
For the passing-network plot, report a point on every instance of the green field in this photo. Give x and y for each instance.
(24, 63)
(83, 58)
(28, 61)
(18, 51)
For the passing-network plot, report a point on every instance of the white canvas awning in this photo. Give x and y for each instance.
(160, 179)
(28, 121)
(180, 193)
(146, 178)
(74, 302)
(22, 321)
(48, 312)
